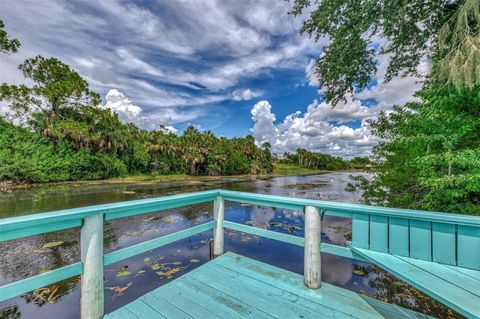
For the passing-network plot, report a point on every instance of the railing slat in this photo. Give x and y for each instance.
(47, 278)
(39, 229)
(130, 251)
(289, 239)
(360, 230)
(398, 236)
(469, 247)
(443, 243)
(379, 233)
(421, 239)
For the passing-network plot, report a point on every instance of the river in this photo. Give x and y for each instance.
(133, 277)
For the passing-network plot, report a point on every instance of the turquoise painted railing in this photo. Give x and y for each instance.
(439, 237)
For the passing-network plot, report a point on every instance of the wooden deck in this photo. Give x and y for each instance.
(233, 286)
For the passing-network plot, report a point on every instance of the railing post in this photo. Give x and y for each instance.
(91, 300)
(218, 213)
(312, 263)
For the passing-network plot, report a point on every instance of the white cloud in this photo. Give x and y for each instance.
(128, 112)
(312, 130)
(310, 73)
(398, 91)
(244, 95)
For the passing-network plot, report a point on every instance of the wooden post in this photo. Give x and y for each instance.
(218, 213)
(91, 300)
(312, 262)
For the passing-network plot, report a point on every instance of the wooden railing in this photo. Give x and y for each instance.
(444, 238)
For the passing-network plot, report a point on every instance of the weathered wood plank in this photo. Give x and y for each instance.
(39, 229)
(286, 238)
(191, 307)
(142, 310)
(312, 271)
(122, 313)
(291, 239)
(379, 233)
(469, 247)
(91, 246)
(165, 308)
(443, 243)
(130, 251)
(328, 295)
(275, 301)
(450, 275)
(421, 239)
(47, 278)
(212, 299)
(459, 299)
(218, 216)
(360, 230)
(399, 236)
(346, 209)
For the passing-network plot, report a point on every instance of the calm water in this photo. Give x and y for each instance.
(133, 277)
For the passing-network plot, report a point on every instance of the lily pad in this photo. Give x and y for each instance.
(52, 244)
(123, 273)
(194, 260)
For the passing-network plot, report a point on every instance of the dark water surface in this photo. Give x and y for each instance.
(130, 278)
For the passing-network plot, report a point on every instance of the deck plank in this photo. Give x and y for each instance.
(328, 295)
(236, 287)
(141, 309)
(214, 300)
(425, 279)
(163, 307)
(279, 303)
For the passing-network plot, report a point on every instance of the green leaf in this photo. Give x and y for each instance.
(194, 260)
(359, 272)
(156, 267)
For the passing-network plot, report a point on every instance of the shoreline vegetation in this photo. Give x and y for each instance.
(279, 170)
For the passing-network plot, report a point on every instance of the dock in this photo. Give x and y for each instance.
(437, 253)
(233, 286)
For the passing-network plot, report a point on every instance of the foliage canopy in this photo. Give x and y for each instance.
(444, 32)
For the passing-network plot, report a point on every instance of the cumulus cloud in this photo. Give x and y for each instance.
(128, 112)
(314, 129)
(244, 95)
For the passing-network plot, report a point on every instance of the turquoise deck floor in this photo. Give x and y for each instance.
(233, 286)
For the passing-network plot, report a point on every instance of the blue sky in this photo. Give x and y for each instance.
(233, 67)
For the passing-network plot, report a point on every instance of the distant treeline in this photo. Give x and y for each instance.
(314, 160)
(79, 148)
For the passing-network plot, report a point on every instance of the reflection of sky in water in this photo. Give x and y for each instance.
(19, 259)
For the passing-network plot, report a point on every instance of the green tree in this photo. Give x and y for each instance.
(7, 45)
(442, 31)
(56, 87)
(429, 157)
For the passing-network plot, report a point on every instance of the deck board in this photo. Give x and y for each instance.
(233, 286)
(448, 284)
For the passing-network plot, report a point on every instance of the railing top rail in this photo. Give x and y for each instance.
(112, 210)
(348, 209)
(128, 208)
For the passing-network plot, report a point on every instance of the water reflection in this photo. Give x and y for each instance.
(130, 278)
